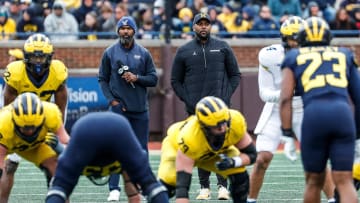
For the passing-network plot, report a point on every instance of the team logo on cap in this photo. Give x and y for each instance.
(203, 15)
(125, 22)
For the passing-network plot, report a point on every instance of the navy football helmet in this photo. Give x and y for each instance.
(315, 31)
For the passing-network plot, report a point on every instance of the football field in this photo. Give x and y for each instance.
(284, 182)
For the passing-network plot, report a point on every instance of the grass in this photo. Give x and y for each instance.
(284, 182)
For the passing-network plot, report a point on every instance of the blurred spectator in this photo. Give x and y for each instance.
(326, 8)
(159, 17)
(72, 5)
(197, 5)
(120, 11)
(146, 25)
(343, 22)
(350, 6)
(254, 4)
(37, 8)
(357, 18)
(143, 14)
(46, 6)
(248, 14)
(29, 23)
(7, 25)
(61, 25)
(184, 28)
(90, 26)
(281, 8)
(137, 14)
(86, 6)
(24, 4)
(179, 5)
(15, 10)
(265, 22)
(218, 3)
(233, 21)
(216, 25)
(158, 7)
(240, 26)
(146, 31)
(15, 55)
(227, 17)
(107, 21)
(312, 10)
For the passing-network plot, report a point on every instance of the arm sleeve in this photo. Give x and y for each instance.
(177, 76)
(104, 77)
(232, 68)
(267, 89)
(48, 26)
(150, 79)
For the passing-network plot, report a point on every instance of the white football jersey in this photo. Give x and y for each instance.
(269, 78)
(270, 59)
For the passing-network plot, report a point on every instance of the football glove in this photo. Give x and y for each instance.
(288, 138)
(289, 148)
(357, 151)
(225, 162)
(53, 141)
(357, 184)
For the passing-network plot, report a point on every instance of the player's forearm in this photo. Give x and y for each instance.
(182, 200)
(286, 113)
(9, 94)
(63, 135)
(5, 188)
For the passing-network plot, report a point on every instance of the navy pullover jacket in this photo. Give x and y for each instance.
(140, 62)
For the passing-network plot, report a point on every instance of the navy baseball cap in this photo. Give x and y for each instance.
(201, 16)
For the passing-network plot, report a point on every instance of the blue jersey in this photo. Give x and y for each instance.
(326, 77)
(321, 71)
(102, 143)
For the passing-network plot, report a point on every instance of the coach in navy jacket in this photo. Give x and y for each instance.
(125, 72)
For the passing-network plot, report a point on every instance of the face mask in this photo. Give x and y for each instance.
(215, 141)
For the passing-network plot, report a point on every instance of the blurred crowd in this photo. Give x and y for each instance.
(96, 19)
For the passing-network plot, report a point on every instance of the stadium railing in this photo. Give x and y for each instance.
(174, 34)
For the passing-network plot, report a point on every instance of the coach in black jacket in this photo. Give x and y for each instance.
(205, 66)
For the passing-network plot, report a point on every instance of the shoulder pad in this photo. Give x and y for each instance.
(238, 121)
(189, 138)
(52, 115)
(14, 71)
(271, 56)
(60, 69)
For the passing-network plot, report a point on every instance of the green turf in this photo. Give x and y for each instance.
(284, 182)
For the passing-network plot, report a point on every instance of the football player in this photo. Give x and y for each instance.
(268, 129)
(103, 143)
(24, 125)
(39, 74)
(325, 77)
(225, 148)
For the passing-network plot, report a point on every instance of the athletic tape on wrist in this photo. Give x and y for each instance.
(237, 161)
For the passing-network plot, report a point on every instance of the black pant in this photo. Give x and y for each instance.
(204, 178)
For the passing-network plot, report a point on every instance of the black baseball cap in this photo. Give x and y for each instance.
(201, 16)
